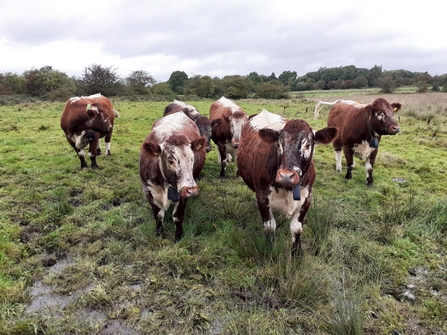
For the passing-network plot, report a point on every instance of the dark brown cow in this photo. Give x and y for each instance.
(171, 156)
(202, 122)
(227, 119)
(360, 127)
(275, 161)
(84, 121)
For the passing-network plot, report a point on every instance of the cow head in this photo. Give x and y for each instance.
(98, 120)
(236, 120)
(296, 146)
(204, 125)
(381, 116)
(176, 162)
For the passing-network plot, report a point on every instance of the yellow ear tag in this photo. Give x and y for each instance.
(198, 147)
(88, 107)
(395, 108)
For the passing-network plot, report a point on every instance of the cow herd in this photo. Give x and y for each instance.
(274, 155)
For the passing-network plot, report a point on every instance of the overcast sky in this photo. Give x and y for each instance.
(218, 38)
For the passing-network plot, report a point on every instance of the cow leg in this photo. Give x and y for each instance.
(223, 159)
(159, 215)
(266, 215)
(349, 161)
(92, 152)
(98, 148)
(81, 156)
(178, 216)
(296, 223)
(108, 142)
(338, 157)
(369, 167)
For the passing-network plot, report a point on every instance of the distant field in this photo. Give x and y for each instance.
(78, 253)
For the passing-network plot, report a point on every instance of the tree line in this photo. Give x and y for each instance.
(51, 84)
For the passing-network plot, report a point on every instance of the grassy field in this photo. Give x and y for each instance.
(78, 253)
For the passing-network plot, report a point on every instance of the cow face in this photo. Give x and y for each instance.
(382, 117)
(98, 120)
(176, 162)
(237, 120)
(296, 146)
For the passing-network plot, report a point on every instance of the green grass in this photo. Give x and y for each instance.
(373, 257)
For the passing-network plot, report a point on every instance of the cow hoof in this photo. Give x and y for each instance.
(348, 175)
(369, 183)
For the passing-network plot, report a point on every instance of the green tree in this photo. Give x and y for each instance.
(48, 83)
(374, 73)
(360, 82)
(139, 82)
(386, 84)
(162, 89)
(11, 83)
(288, 78)
(201, 86)
(99, 79)
(271, 90)
(236, 87)
(177, 81)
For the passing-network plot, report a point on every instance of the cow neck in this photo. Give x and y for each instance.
(373, 142)
(368, 125)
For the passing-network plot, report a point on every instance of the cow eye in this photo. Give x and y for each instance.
(171, 162)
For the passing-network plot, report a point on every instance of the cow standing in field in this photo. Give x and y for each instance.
(275, 161)
(361, 127)
(84, 121)
(171, 156)
(227, 119)
(202, 122)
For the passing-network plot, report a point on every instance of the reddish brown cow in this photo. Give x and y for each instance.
(202, 122)
(171, 157)
(275, 161)
(227, 119)
(361, 127)
(84, 121)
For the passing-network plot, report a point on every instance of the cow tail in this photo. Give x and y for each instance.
(317, 109)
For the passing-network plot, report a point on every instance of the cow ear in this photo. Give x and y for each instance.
(93, 109)
(269, 135)
(151, 149)
(216, 122)
(198, 144)
(325, 135)
(396, 106)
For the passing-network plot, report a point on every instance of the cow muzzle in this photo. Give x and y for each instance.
(187, 192)
(287, 177)
(393, 130)
(235, 144)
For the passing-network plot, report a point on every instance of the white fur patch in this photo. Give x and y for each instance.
(363, 150)
(265, 119)
(160, 195)
(338, 157)
(169, 125)
(282, 201)
(80, 141)
(306, 152)
(229, 104)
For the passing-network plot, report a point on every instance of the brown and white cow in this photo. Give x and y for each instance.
(84, 121)
(202, 122)
(275, 160)
(227, 119)
(171, 157)
(361, 127)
